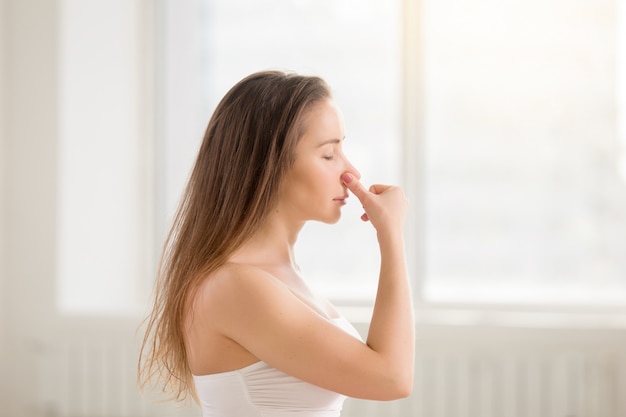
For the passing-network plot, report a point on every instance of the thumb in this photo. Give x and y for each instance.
(355, 186)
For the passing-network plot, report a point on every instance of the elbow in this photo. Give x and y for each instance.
(403, 386)
(398, 388)
(403, 389)
(406, 390)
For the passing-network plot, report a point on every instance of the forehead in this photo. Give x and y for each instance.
(323, 122)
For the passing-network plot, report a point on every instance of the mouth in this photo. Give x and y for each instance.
(341, 200)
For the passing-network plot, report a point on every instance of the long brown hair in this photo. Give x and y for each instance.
(248, 147)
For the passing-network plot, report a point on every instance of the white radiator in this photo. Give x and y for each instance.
(95, 377)
(558, 384)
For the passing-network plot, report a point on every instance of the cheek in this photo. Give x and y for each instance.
(333, 181)
(304, 187)
(325, 178)
(316, 180)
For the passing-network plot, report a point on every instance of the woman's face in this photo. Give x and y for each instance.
(313, 189)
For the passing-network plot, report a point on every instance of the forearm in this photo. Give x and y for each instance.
(392, 331)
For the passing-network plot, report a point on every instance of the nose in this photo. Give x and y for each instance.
(351, 169)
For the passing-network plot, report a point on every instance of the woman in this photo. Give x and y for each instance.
(234, 324)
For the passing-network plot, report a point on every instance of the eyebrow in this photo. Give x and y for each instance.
(326, 142)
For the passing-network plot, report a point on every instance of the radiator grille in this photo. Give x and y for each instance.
(558, 384)
(95, 377)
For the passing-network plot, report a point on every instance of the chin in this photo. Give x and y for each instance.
(328, 217)
(332, 220)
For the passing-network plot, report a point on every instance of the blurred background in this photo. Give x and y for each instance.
(504, 120)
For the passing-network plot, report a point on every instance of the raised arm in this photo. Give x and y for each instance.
(391, 332)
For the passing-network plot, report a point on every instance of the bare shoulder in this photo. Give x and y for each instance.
(238, 288)
(219, 309)
(235, 280)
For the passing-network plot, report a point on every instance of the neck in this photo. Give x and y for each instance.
(273, 244)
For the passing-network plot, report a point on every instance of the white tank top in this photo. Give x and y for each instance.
(259, 390)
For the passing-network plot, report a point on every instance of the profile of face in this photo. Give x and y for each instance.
(313, 189)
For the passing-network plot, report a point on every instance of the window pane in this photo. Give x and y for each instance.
(525, 197)
(103, 196)
(355, 46)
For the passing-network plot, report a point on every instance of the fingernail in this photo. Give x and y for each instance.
(347, 178)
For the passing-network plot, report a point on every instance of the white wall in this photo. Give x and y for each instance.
(3, 315)
(28, 209)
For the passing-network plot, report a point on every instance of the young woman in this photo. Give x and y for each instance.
(234, 323)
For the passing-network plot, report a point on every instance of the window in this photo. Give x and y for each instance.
(525, 185)
(104, 159)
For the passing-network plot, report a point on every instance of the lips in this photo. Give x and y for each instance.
(342, 200)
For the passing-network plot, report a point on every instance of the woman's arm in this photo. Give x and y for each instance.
(391, 330)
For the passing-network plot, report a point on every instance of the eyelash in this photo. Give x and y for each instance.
(329, 158)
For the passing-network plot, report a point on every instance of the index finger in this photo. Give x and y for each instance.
(355, 186)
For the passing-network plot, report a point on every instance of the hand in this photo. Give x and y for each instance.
(385, 205)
